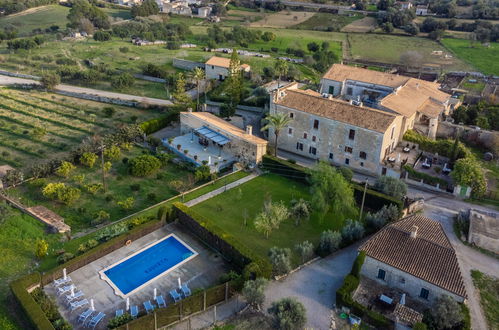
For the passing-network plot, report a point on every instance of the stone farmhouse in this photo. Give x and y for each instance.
(420, 102)
(218, 68)
(335, 130)
(484, 229)
(415, 256)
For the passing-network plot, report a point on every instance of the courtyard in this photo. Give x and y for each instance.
(200, 272)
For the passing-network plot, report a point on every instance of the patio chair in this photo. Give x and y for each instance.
(77, 304)
(62, 281)
(83, 316)
(64, 289)
(185, 290)
(119, 312)
(70, 298)
(95, 320)
(175, 295)
(134, 311)
(160, 301)
(148, 306)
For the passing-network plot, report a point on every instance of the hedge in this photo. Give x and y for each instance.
(375, 200)
(238, 254)
(443, 147)
(344, 296)
(156, 124)
(30, 307)
(428, 179)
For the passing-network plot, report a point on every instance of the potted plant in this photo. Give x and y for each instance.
(179, 146)
(195, 157)
(170, 141)
(186, 151)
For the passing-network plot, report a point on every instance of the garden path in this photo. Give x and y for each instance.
(221, 190)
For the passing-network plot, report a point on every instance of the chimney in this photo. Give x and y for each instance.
(414, 231)
(249, 129)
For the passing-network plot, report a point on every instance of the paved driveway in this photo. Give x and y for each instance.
(315, 286)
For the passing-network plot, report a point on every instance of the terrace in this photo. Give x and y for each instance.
(198, 272)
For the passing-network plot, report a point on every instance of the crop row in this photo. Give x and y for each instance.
(24, 137)
(11, 146)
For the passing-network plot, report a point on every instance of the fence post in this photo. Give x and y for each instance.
(204, 300)
(181, 310)
(155, 321)
(226, 291)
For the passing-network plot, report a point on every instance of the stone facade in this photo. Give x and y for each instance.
(216, 72)
(408, 283)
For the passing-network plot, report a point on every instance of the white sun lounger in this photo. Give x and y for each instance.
(62, 281)
(83, 316)
(70, 298)
(64, 289)
(95, 320)
(77, 304)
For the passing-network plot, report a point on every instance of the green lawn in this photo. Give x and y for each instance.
(323, 21)
(483, 58)
(228, 209)
(475, 88)
(37, 18)
(488, 287)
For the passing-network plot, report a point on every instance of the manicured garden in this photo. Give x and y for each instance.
(37, 126)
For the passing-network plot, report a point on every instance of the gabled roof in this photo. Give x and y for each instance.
(312, 102)
(219, 61)
(429, 256)
(341, 72)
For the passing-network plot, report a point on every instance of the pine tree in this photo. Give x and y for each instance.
(234, 85)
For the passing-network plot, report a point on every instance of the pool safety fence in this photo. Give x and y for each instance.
(185, 308)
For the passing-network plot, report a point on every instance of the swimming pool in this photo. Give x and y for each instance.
(137, 270)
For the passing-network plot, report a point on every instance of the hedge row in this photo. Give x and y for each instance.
(374, 201)
(344, 297)
(442, 147)
(33, 311)
(156, 124)
(239, 255)
(428, 179)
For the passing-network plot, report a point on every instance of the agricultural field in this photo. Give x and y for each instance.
(282, 19)
(37, 126)
(481, 57)
(247, 201)
(387, 49)
(327, 22)
(366, 24)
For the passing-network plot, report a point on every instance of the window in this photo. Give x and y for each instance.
(381, 274)
(314, 138)
(348, 149)
(291, 115)
(299, 146)
(290, 130)
(351, 134)
(361, 164)
(347, 161)
(393, 131)
(383, 171)
(362, 155)
(331, 90)
(424, 293)
(316, 124)
(331, 156)
(349, 91)
(312, 150)
(305, 135)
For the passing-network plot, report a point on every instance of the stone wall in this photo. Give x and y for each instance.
(19, 75)
(100, 98)
(410, 284)
(186, 65)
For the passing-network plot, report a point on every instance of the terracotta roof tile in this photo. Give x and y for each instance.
(429, 256)
(337, 110)
(341, 72)
(223, 62)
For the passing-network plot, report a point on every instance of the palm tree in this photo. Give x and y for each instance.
(281, 66)
(277, 122)
(198, 75)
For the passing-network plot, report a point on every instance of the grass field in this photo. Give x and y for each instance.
(227, 211)
(387, 49)
(282, 19)
(482, 58)
(38, 126)
(327, 21)
(366, 24)
(488, 287)
(37, 18)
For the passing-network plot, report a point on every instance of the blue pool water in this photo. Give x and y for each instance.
(146, 265)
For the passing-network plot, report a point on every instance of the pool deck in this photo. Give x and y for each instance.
(200, 272)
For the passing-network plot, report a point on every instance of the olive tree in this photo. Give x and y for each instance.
(288, 314)
(254, 292)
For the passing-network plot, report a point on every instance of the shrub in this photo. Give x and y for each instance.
(144, 165)
(446, 312)
(346, 172)
(329, 242)
(280, 258)
(155, 125)
(306, 250)
(61, 192)
(357, 264)
(109, 112)
(127, 203)
(112, 153)
(419, 326)
(391, 186)
(135, 187)
(65, 169)
(288, 313)
(94, 188)
(63, 258)
(118, 321)
(352, 231)
(88, 159)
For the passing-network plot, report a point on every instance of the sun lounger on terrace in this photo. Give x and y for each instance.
(83, 316)
(134, 311)
(95, 320)
(70, 298)
(148, 306)
(185, 290)
(119, 312)
(62, 281)
(175, 295)
(64, 289)
(77, 304)
(161, 301)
